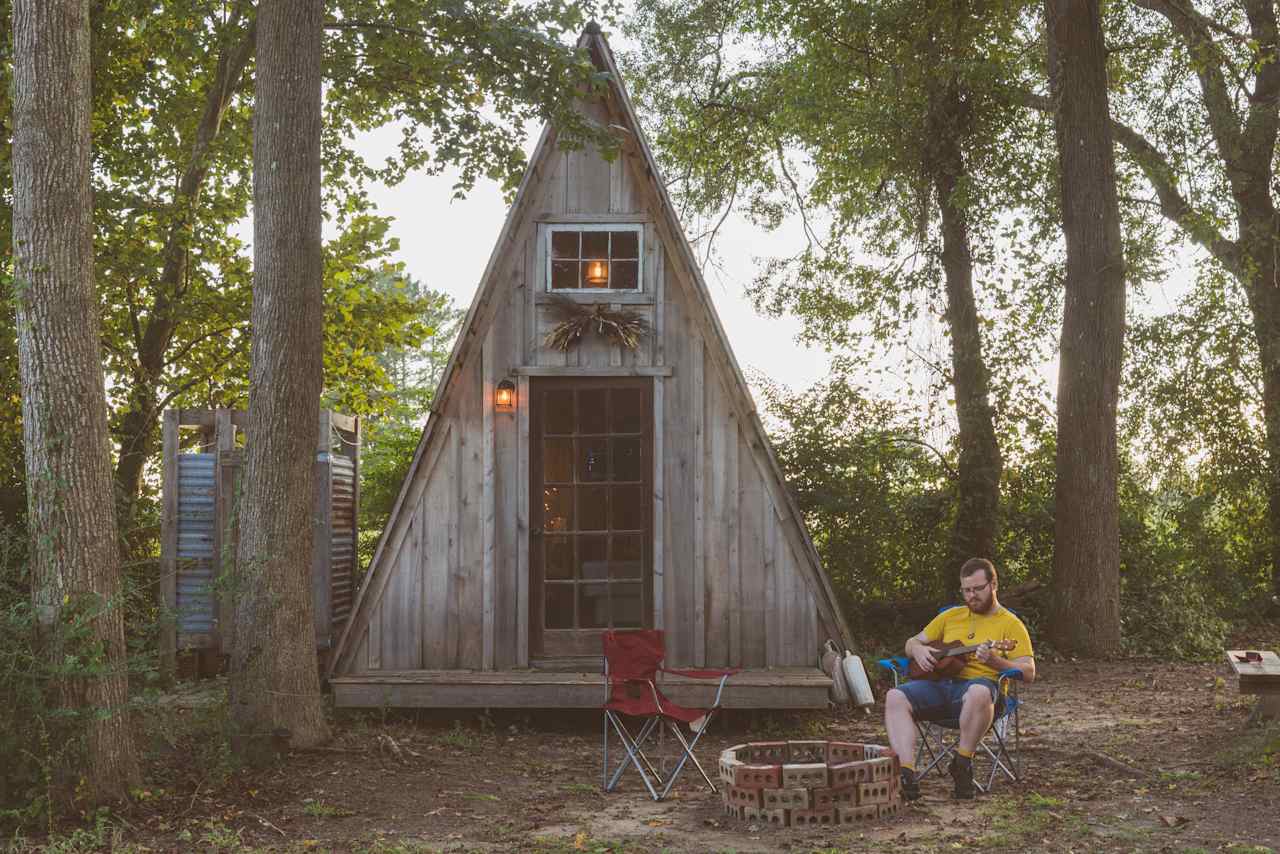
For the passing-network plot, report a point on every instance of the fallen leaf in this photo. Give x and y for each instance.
(1174, 820)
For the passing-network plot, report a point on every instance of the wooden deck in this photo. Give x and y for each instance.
(775, 688)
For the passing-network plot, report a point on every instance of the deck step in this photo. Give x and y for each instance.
(774, 688)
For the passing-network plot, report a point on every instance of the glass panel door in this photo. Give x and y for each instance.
(591, 533)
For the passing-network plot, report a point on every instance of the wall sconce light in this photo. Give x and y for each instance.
(597, 273)
(504, 397)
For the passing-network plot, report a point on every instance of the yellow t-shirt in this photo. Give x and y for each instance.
(959, 624)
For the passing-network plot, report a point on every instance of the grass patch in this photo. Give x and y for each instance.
(319, 809)
(479, 796)
(460, 737)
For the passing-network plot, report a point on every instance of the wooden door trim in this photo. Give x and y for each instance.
(532, 483)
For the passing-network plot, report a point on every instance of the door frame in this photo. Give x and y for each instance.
(587, 642)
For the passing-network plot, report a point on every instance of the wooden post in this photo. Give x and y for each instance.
(321, 523)
(224, 535)
(169, 545)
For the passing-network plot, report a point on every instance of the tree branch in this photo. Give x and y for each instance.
(1156, 169)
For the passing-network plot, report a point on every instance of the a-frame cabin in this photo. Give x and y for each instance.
(625, 486)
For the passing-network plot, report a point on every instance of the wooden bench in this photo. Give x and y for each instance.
(1261, 677)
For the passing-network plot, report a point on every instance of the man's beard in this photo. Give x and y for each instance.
(985, 607)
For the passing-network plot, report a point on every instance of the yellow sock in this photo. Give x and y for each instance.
(907, 766)
(967, 754)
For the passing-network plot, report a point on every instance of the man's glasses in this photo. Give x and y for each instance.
(965, 591)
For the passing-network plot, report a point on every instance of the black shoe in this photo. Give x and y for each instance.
(962, 773)
(910, 786)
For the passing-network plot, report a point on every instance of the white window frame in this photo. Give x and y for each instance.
(638, 228)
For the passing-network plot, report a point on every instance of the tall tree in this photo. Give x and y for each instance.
(275, 684)
(74, 559)
(891, 104)
(1086, 560)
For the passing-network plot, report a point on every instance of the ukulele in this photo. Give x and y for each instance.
(951, 658)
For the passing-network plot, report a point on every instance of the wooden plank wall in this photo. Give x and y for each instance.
(732, 590)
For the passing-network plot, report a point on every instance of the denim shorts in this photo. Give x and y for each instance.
(941, 699)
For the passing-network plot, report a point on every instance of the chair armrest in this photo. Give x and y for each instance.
(896, 666)
(722, 675)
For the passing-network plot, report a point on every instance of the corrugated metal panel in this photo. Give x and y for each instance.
(342, 556)
(196, 489)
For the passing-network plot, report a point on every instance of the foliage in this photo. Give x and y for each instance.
(878, 500)
(390, 436)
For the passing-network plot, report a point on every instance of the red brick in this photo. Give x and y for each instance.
(789, 799)
(839, 752)
(806, 818)
(811, 775)
(873, 793)
(881, 769)
(744, 797)
(757, 776)
(844, 796)
(806, 751)
(849, 773)
(858, 815)
(777, 818)
(763, 753)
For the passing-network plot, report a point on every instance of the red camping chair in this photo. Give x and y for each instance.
(632, 660)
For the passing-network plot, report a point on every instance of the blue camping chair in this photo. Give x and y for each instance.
(938, 739)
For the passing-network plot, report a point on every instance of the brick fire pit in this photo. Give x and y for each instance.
(803, 783)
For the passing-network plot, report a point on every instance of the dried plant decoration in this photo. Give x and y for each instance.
(576, 319)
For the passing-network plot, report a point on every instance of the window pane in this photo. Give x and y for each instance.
(593, 463)
(628, 411)
(628, 556)
(626, 244)
(628, 605)
(592, 504)
(592, 417)
(591, 557)
(564, 274)
(557, 460)
(593, 606)
(559, 560)
(559, 606)
(624, 275)
(557, 412)
(627, 461)
(595, 244)
(628, 508)
(601, 275)
(557, 508)
(564, 244)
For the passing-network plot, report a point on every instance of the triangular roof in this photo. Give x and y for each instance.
(593, 41)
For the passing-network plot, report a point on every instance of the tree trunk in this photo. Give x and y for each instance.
(1086, 562)
(75, 564)
(1261, 241)
(275, 685)
(974, 534)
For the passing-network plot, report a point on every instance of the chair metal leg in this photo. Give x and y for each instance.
(635, 755)
(687, 747)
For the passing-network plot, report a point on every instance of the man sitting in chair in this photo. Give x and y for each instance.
(971, 695)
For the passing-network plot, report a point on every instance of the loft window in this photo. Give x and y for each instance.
(592, 257)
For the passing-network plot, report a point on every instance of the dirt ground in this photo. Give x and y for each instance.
(1123, 756)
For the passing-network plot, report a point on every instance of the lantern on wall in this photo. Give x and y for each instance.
(504, 397)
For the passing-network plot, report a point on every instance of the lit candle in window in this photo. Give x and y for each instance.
(597, 273)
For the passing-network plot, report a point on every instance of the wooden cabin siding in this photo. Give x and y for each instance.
(734, 574)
